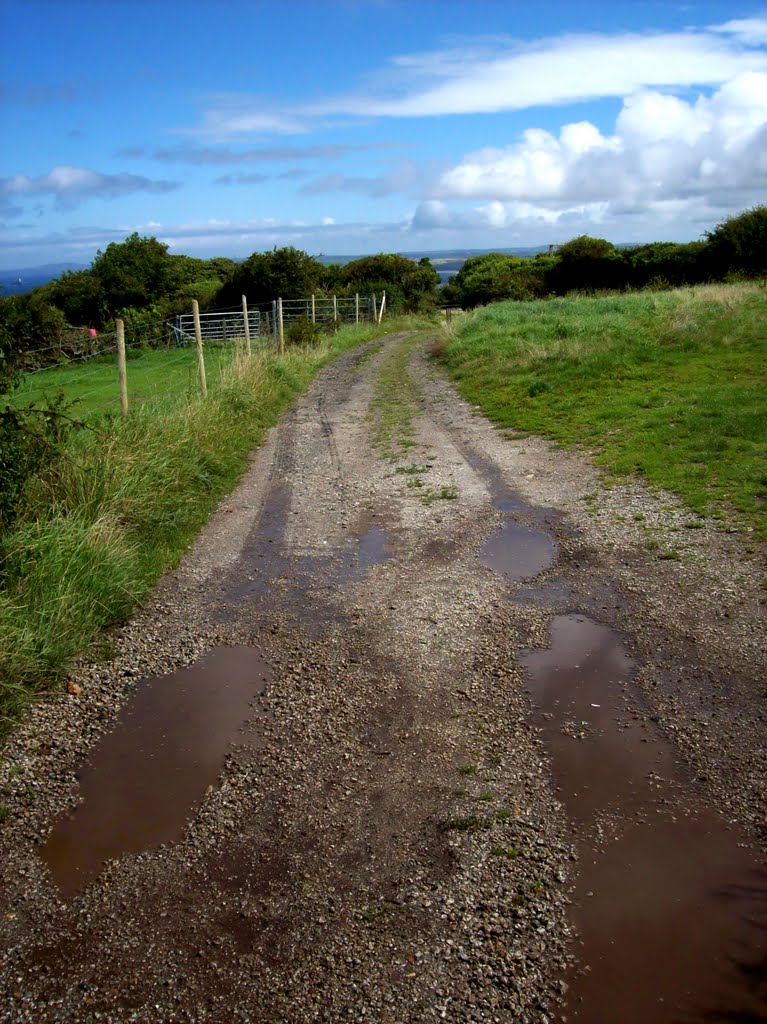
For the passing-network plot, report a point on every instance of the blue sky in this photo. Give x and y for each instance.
(355, 126)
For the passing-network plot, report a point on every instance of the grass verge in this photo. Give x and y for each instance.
(669, 385)
(120, 505)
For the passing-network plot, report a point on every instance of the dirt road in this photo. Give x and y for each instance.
(431, 724)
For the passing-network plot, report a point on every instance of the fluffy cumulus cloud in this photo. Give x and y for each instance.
(664, 150)
(69, 186)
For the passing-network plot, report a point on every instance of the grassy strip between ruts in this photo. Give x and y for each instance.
(670, 385)
(120, 505)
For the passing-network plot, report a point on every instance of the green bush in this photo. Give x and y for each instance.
(303, 332)
(739, 244)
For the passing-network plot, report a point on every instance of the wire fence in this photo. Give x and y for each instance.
(166, 360)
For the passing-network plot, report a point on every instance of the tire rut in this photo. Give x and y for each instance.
(384, 841)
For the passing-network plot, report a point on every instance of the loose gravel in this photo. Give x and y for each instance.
(384, 841)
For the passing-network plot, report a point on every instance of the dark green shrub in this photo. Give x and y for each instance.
(739, 244)
(303, 332)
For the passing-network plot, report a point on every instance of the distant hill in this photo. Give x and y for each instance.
(13, 282)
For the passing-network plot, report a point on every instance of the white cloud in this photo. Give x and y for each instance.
(232, 116)
(573, 68)
(752, 31)
(70, 185)
(662, 148)
(503, 74)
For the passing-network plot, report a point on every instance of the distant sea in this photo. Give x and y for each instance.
(447, 262)
(13, 282)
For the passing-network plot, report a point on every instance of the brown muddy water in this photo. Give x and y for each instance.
(518, 552)
(670, 903)
(143, 781)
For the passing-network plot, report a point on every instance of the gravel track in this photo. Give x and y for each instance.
(385, 840)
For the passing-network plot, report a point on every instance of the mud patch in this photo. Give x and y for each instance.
(144, 779)
(671, 905)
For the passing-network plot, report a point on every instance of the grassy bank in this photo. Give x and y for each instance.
(120, 505)
(669, 385)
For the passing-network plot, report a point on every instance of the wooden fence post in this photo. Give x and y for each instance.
(335, 311)
(383, 305)
(122, 372)
(281, 326)
(246, 318)
(356, 307)
(375, 309)
(314, 311)
(198, 340)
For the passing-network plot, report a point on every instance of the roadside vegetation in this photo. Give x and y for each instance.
(736, 248)
(669, 385)
(664, 382)
(111, 506)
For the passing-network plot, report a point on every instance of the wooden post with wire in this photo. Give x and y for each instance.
(281, 326)
(335, 312)
(198, 340)
(314, 311)
(375, 309)
(246, 320)
(383, 306)
(356, 307)
(122, 371)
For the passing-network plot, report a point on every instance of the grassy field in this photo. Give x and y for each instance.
(669, 385)
(122, 502)
(156, 377)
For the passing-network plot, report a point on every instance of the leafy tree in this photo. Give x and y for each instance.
(494, 277)
(585, 247)
(668, 263)
(80, 296)
(263, 276)
(135, 272)
(409, 286)
(587, 264)
(739, 244)
(29, 323)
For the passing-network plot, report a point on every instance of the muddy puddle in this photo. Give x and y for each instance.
(145, 778)
(516, 551)
(670, 904)
(373, 548)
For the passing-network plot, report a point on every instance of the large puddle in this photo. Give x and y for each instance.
(144, 779)
(671, 906)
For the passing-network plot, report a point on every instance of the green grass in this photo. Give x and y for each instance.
(122, 503)
(156, 377)
(396, 401)
(668, 385)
